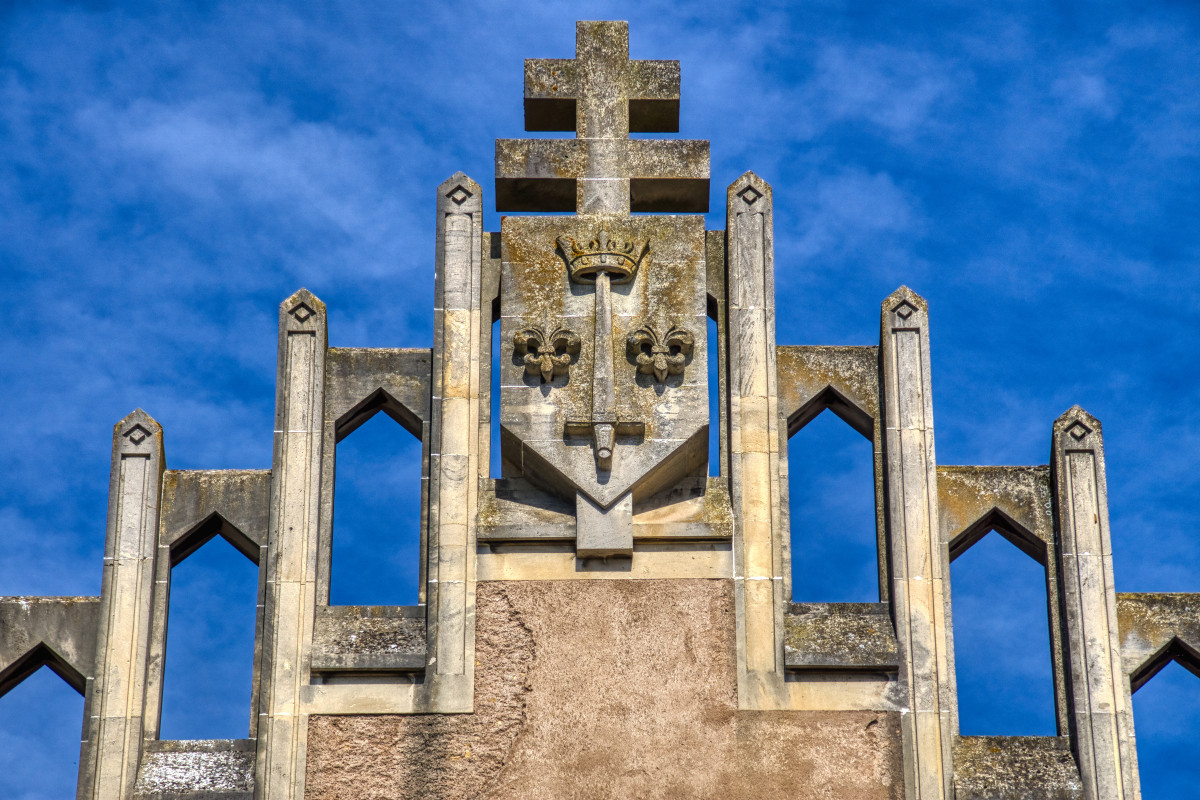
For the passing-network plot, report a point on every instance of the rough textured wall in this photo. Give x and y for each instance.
(602, 689)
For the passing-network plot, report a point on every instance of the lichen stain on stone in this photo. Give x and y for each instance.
(1157, 615)
(173, 773)
(1148, 621)
(966, 494)
(805, 371)
(1015, 768)
(839, 635)
(368, 634)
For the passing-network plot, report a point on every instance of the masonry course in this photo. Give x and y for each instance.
(611, 615)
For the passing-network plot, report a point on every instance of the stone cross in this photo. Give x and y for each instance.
(602, 96)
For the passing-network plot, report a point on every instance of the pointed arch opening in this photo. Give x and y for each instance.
(1003, 665)
(377, 506)
(831, 502)
(39, 729)
(209, 665)
(1166, 713)
(715, 415)
(41, 655)
(1177, 650)
(494, 429)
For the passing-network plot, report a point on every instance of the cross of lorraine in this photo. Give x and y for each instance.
(624, 415)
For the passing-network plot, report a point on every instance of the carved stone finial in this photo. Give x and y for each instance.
(548, 356)
(619, 258)
(660, 356)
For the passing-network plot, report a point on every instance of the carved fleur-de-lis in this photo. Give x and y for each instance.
(548, 356)
(660, 356)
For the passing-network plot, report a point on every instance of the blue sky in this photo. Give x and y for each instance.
(170, 172)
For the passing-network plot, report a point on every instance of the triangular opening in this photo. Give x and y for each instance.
(1000, 522)
(1176, 650)
(1002, 640)
(377, 516)
(213, 525)
(40, 655)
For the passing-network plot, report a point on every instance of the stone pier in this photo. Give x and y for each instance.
(608, 614)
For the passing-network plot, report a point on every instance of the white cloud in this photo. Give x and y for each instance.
(854, 210)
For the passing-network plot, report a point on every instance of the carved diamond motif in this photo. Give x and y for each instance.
(459, 195)
(301, 312)
(137, 434)
(905, 310)
(1078, 430)
(750, 195)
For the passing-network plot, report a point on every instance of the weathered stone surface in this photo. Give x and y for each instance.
(512, 510)
(603, 532)
(602, 96)
(839, 636)
(549, 174)
(200, 504)
(1156, 629)
(290, 592)
(117, 702)
(633, 694)
(757, 443)
(1015, 768)
(522, 561)
(457, 398)
(661, 428)
(1013, 501)
(843, 379)
(374, 638)
(920, 564)
(554, 86)
(695, 508)
(1101, 712)
(55, 632)
(363, 381)
(200, 769)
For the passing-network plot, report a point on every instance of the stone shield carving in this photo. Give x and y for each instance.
(646, 435)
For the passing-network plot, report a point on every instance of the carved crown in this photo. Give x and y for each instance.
(619, 258)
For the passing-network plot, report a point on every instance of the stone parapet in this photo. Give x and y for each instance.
(609, 613)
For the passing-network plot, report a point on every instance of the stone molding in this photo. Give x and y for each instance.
(638, 505)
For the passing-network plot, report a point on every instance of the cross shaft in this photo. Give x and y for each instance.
(601, 93)
(602, 96)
